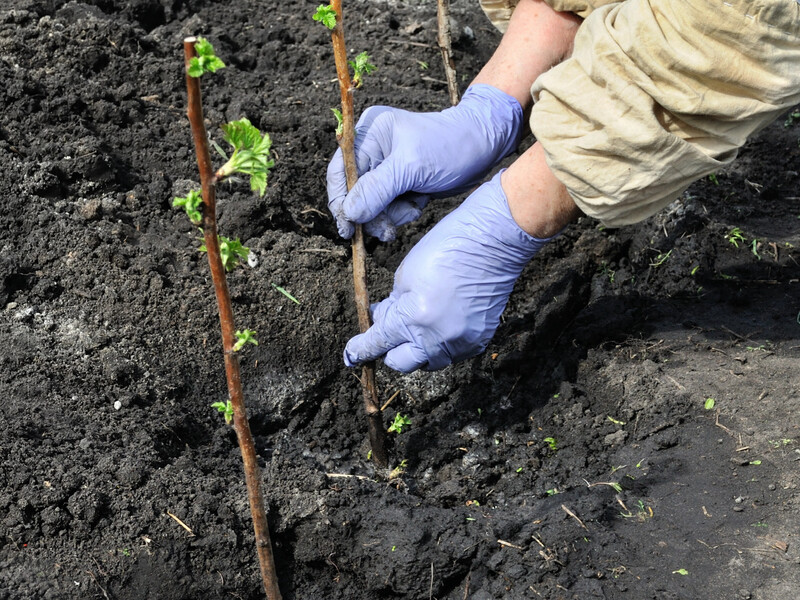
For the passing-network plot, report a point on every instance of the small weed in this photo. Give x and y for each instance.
(709, 403)
(680, 572)
(422, 65)
(551, 443)
(660, 259)
(754, 462)
(793, 118)
(754, 246)
(713, 179)
(552, 492)
(615, 421)
(735, 236)
(399, 469)
(608, 272)
(780, 443)
(519, 470)
(285, 293)
(759, 524)
(694, 270)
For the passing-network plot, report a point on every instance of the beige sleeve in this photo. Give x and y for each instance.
(660, 93)
(499, 11)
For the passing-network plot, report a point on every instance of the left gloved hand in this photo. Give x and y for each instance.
(451, 289)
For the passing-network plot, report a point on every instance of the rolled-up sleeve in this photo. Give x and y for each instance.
(499, 11)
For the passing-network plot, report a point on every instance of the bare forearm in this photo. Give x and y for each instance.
(537, 39)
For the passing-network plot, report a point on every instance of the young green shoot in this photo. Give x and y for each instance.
(205, 61)
(232, 252)
(680, 572)
(339, 121)
(250, 154)
(399, 469)
(285, 293)
(615, 421)
(248, 336)
(226, 408)
(735, 236)
(325, 15)
(191, 204)
(713, 178)
(400, 421)
(709, 403)
(754, 246)
(660, 259)
(361, 66)
(551, 443)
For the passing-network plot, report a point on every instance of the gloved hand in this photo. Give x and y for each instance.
(451, 289)
(403, 158)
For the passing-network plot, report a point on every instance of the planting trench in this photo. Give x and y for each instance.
(611, 345)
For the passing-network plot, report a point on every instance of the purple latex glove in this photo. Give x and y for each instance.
(451, 289)
(403, 158)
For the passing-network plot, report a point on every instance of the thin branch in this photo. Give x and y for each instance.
(377, 435)
(232, 371)
(446, 46)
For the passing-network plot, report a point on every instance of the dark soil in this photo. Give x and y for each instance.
(610, 346)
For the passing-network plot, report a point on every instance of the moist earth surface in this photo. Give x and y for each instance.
(579, 457)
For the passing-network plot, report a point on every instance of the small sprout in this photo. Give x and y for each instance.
(250, 154)
(519, 470)
(232, 252)
(191, 204)
(555, 396)
(694, 270)
(285, 293)
(125, 552)
(735, 236)
(422, 65)
(660, 259)
(615, 469)
(754, 246)
(399, 422)
(480, 412)
(709, 403)
(755, 462)
(470, 519)
(713, 178)
(205, 61)
(727, 277)
(473, 503)
(792, 118)
(244, 337)
(325, 15)
(551, 442)
(552, 492)
(617, 487)
(614, 421)
(339, 121)
(680, 572)
(399, 469)
(226, 408)
(361, 66)
(394, 548)
(369, 455)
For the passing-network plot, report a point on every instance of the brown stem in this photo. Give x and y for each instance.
(446, 46)
(232, 372)
(377, 435)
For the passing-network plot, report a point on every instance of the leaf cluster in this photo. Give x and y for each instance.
(226, 408)
(191, 204)
(361, 66)
(205, 61)
(231, 252)
(325, 15)
(399, 422)
(250, 154)
(248, 336)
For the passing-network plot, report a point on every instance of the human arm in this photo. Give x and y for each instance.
(451, 289)
(406, 158)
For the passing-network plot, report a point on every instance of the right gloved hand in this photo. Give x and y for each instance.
(405, 158)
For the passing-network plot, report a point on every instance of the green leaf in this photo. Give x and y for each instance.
(339, 120)
(250, 154)
(680, 572)
(709, 403)
(232, 252)
(244, 337)
(361, 66)
(191, 204)
(325, 15)
(285, 293)
(205, 61)
(226, 408)
(399, 422)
